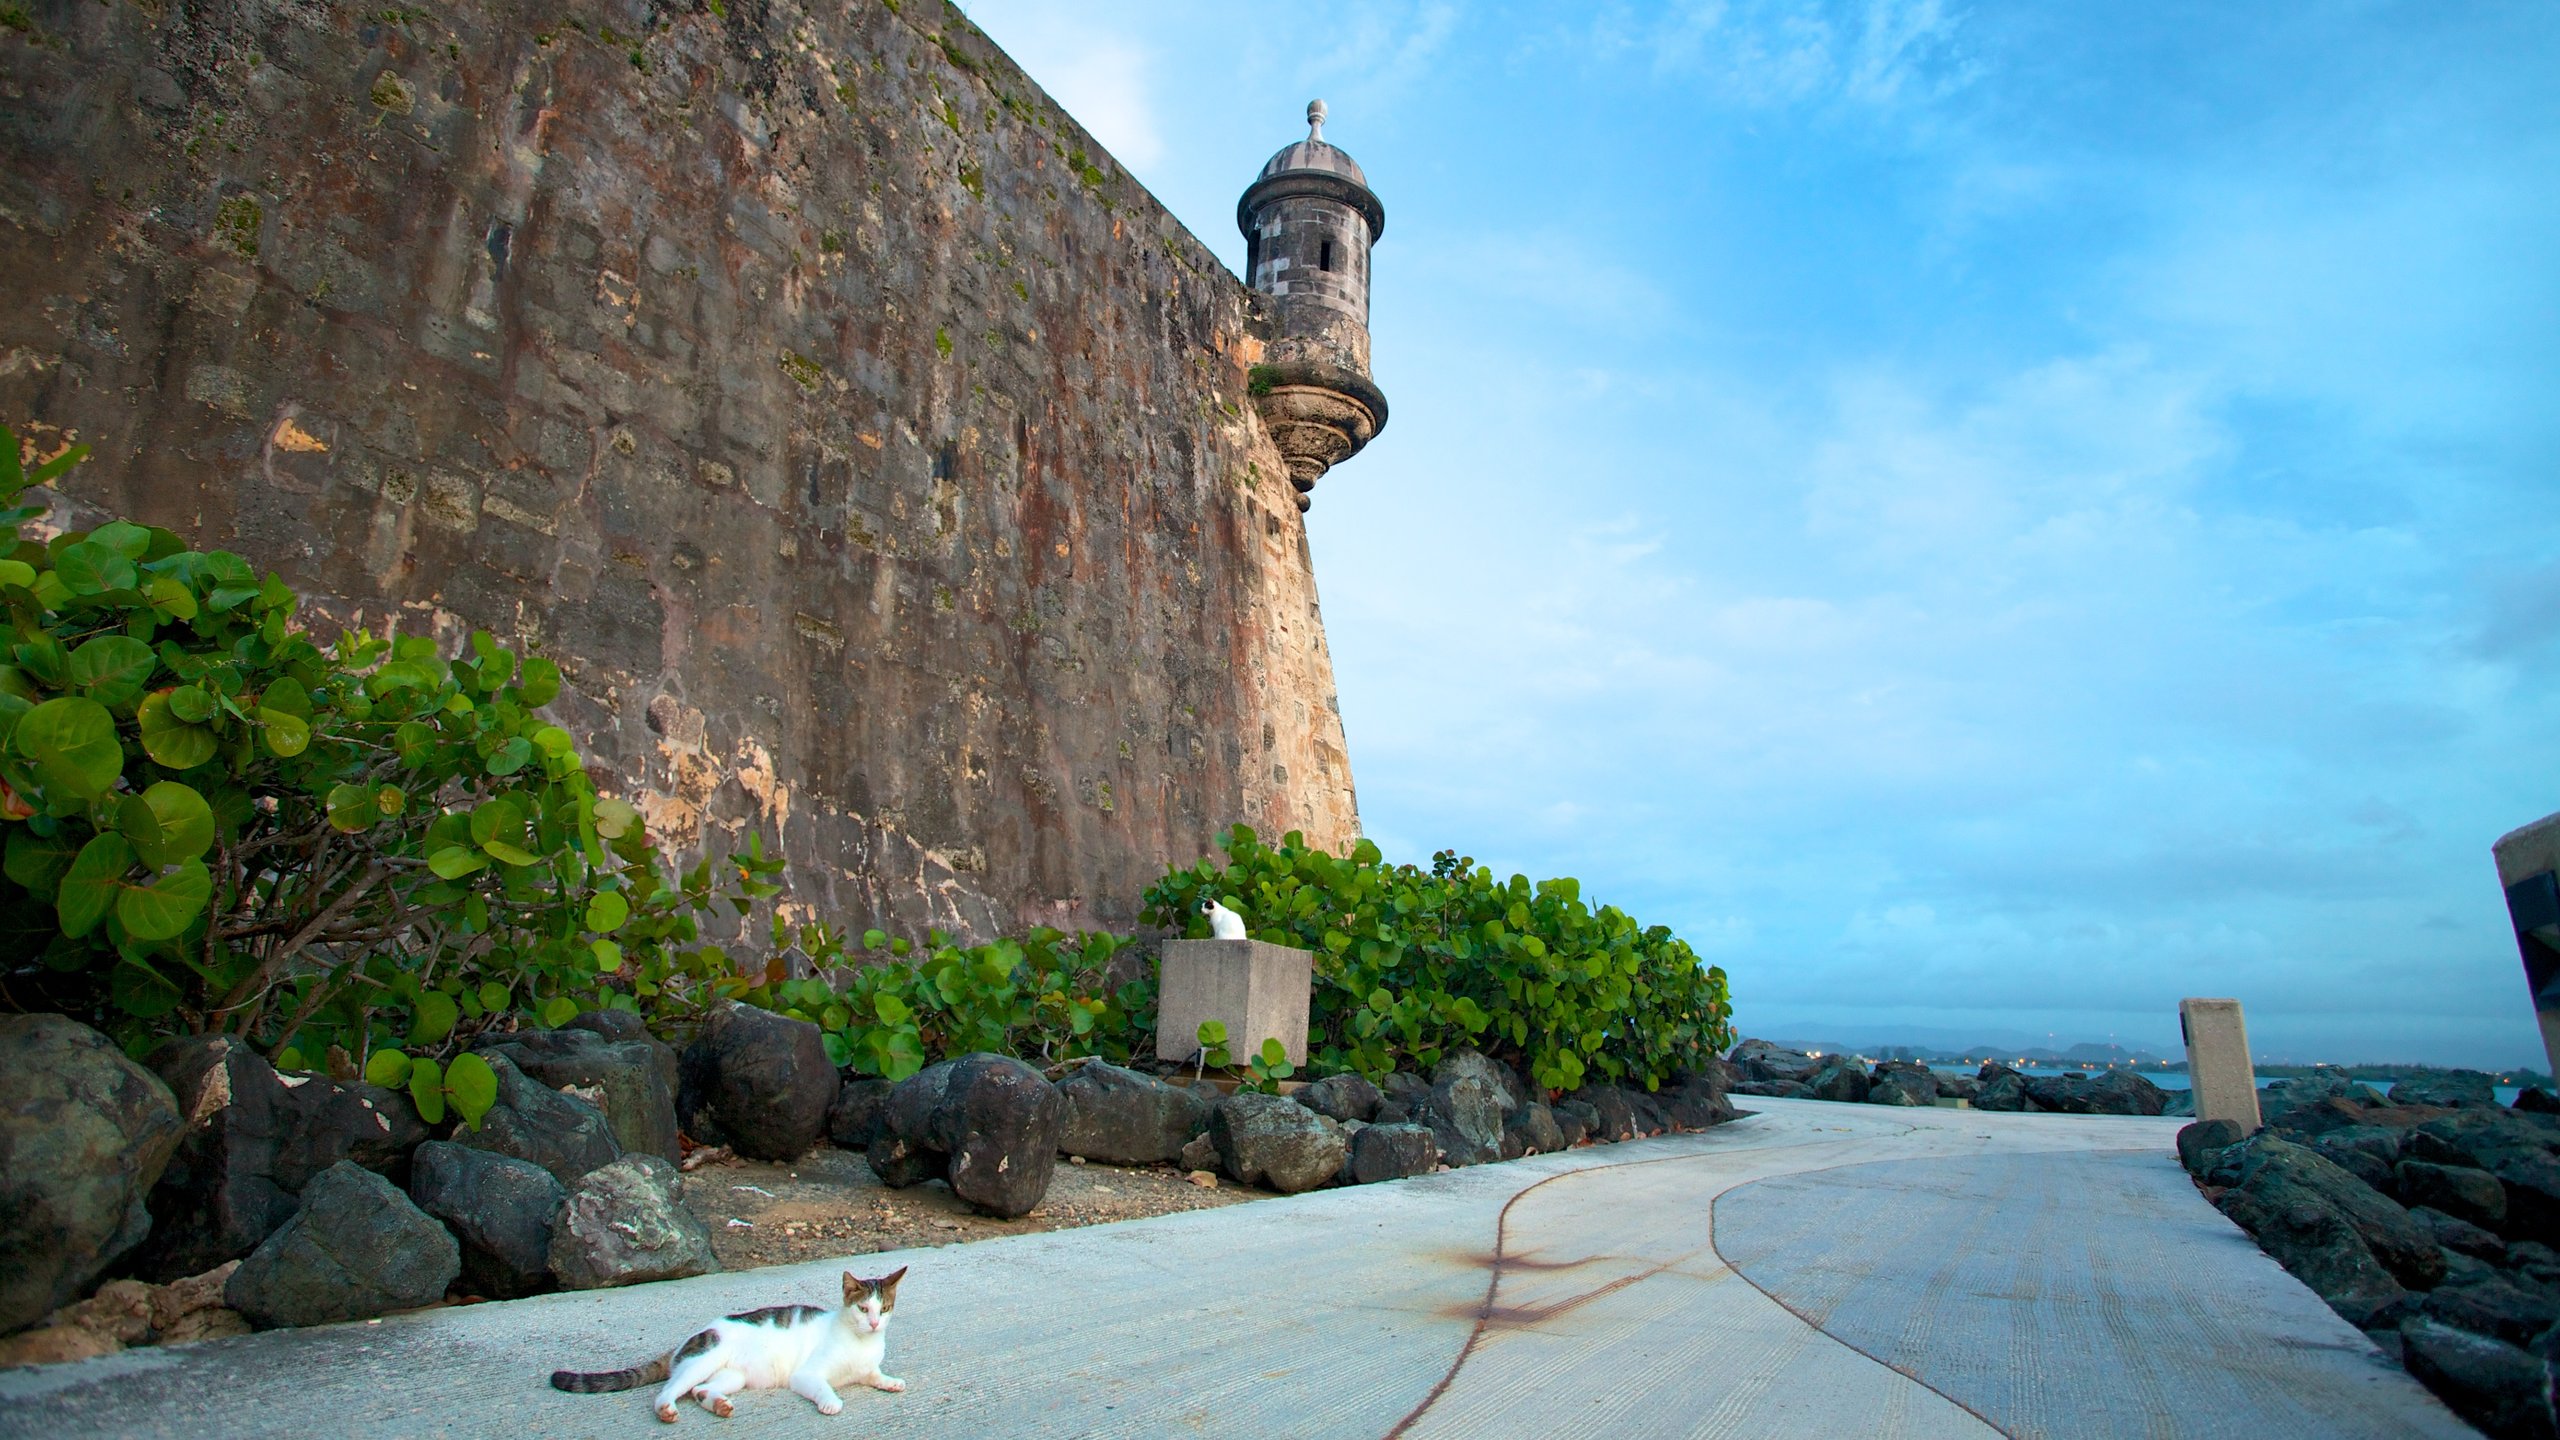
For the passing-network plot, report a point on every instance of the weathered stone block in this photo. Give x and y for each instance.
(1258, 990)
(2218, 1063)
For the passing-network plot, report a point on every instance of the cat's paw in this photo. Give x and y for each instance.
(830, 1407)
(721, 1406)
(890, 1383)
(667, 1413)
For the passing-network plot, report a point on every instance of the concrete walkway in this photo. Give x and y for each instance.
(1810, 1270)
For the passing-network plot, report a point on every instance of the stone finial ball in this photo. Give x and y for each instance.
(1315, 119)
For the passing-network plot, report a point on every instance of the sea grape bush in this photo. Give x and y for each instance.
(364, 854)
(1412, 963)
(1046, 994)
(211, 823)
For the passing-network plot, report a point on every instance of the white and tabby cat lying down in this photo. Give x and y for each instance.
(801, 1346)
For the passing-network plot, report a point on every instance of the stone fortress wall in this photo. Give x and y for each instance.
(875, 456)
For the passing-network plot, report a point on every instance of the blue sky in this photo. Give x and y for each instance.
(1987, 519)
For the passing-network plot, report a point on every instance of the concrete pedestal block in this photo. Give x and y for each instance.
(2218, 1064)
(2527, 861)
(1257, 990)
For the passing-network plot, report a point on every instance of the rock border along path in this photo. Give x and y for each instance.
(1585, 1293)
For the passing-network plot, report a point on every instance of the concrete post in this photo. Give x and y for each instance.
(1259, 991)
(2218, 1064)
(2527, 860)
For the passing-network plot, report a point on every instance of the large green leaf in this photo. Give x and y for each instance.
(192, 703)
(142, 992)
(122, 537)
(473, 1085)
(168, 740)
(38, 861)
(167, 823)
(540, 682)
(453, 862)
(88, 568)
(387, 1068)
(426, 1088)
(499, 819)
(615, 818)
(606, 912)
(286, 735)
(113, 669)
(434, 1019)
(73, 741)
(288, 697)
(165, 908)
(354, 808)
(88, 889)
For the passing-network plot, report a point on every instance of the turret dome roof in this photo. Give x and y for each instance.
(1320, 155)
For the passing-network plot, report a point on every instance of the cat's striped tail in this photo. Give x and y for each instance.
(589, 1383)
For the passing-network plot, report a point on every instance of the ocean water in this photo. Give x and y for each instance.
(2177, 1079)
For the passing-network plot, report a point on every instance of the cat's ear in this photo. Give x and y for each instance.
(854, 1287)
(889, 1283)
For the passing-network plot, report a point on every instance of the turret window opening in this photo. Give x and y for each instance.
(1324, 256)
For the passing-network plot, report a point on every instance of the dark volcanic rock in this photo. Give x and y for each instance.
(623, 1224)
(763, 1079)
(218, 1197)
(1775, 1089)
(1403, 1087)
(1900, 1082)
(988, 1124)
(2534, 1100)
(1532, 1130)
(622, 1025)
(2367, 1152)
(1613, 1115)
(531, 1121)
(356, 1248)
(1124, 1118)
(631, 1081)
(2516, 1149)
(2313, 1104)
(1575, 1121)
(2200, 1142)
(1344, 1097)
(2452, 1088)
(1466, 1114)
(2112, 1092)
(2305, 1211)
(2493, 1306)
(84, 1134)
(1276, 1142)
(1392, 1152)
(2321, 1249)
(1957, 1087)
(854, 1120)
(2503, 1390)
(1697, 1102)
(2002, 1088)
(1470, 1065)
(1762, 1061)
(2535, 1261)
(499, 1207)
(254, 1139)
(2461, 1237)
(1841, 1079)
(1201, 1153)
(344, 1120)
(2473, 1195)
